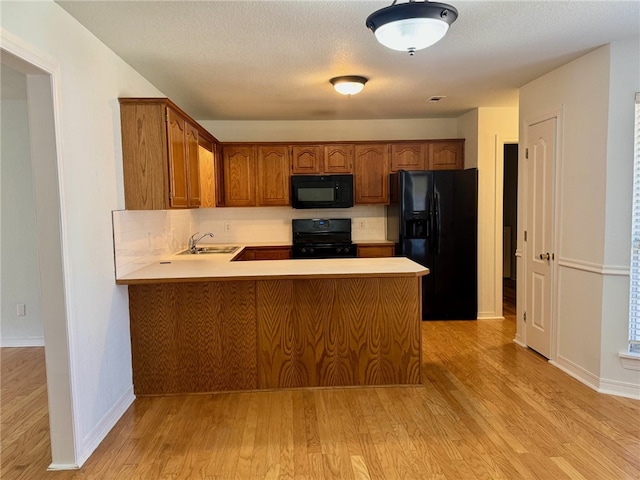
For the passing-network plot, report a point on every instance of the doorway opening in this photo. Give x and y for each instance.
(510, 228)
(37, 153)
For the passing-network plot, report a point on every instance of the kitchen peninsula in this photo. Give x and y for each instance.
(205, 323)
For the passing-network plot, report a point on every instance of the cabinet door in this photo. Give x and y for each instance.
(176, 135)
(247, 254)
(371, 173)
(408, 156)
(193, 166)
(145, 156)
(446, 155)
(306, 159)
(218, 174)
(273, 175)
(338, 158)
(239, 176)
(207, 179)
(375, 251)
(265, 253)
(274, 253)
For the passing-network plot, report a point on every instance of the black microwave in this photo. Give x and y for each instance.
(322, 191)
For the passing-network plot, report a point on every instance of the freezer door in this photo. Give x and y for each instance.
(455, 246)
(414, 190)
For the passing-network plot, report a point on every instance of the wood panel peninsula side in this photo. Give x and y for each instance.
(209, 326)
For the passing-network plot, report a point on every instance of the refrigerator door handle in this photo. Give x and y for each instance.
(430, 224)
(436, 221)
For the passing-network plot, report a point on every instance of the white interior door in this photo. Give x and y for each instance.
(540, 161)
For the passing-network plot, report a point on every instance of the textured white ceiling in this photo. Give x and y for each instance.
(254, 60)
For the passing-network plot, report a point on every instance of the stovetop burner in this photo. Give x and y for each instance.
(322, 238)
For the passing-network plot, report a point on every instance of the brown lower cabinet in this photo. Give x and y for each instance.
(375, 250)
(264, 253)
(275, 333)
(365, 250)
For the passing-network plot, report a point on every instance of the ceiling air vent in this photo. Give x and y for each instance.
(435, 98)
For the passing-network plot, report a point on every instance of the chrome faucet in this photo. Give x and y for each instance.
(193, 242)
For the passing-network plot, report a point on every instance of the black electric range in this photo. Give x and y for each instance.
(322, 238)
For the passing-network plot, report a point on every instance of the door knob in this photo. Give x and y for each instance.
(545, 255)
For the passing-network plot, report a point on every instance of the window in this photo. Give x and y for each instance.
(634, 294)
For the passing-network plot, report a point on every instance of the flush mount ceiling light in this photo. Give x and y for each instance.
(348, 84)
(412, 26)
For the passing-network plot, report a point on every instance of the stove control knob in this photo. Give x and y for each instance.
(311, 250)
(346, 249)
(339, 250)
(303, 250)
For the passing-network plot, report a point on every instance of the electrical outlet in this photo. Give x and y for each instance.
(227, 226)
(21, 309)
(361, 224)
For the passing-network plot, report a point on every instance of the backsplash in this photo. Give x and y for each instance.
(273, 224)
(141, 237)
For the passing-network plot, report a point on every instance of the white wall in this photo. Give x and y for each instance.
(468, 129)
(624, 81)
(581, 90)
(331, 130)
(596, 95)
(88, 79)
(20, 271)
(486, 130)
(496, 126)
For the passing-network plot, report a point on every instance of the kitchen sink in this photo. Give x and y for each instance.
(210, 249)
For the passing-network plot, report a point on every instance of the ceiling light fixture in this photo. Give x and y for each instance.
(412, 26)
(348, 84)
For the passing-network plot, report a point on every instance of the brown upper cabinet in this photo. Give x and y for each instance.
(321, 159)
(338, 158)
(371, 173)
(306, 159)
(446, 155)
(273, 175)
(161, 155)
(208, 190)
(408, 156)
(239, 175)
(259, 174)
(256, 175)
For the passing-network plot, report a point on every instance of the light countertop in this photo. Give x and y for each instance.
(219, 267)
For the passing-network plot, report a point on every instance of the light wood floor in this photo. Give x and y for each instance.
(487, 409)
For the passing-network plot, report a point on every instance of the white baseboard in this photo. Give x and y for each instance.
(100, 431)
(604, 386)
(620, 389)
(518, 341)
(577, 372)
(489, 316)
(55, 467)
(22, 342)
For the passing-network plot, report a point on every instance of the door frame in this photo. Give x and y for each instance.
(523, 225)
(500, 142)
(44, 90)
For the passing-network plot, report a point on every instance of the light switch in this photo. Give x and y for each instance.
(21, 309)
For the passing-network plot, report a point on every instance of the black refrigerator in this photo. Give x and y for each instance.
(433, 220)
